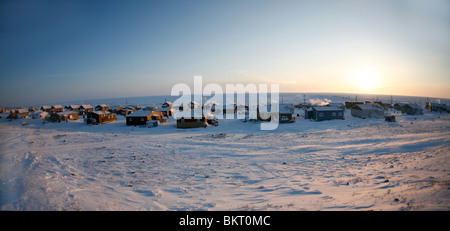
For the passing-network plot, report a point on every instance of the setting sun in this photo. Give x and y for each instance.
(365, 78)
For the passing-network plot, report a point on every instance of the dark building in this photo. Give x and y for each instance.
(141, 117)
(327, 113)
(100, 117)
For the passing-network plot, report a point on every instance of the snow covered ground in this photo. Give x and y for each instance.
(351, 164)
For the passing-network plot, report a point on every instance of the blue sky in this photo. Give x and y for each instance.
(103, 49)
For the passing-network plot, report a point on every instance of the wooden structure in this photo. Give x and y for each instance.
(102, 107)
(100, 117)
(73, 107)
(56, 108)
(85, 109)
(46, 108)
(19, 113)
(142, 117)
(64, 116)
(190, 122)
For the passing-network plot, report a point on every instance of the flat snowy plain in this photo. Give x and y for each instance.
(351, 164)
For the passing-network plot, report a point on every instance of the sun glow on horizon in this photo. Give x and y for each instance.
(365, 78)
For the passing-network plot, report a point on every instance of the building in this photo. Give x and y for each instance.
(125, 111)
(100, 117)
(102, 107)
(56, 108)
(367, 110)
(64, 116)
(412, 109)
(73, 107)
(191, 122)
(349, 105)
(267, 114)
(327, 113)
(286, 111)
(85, 108)
(435, 107)
(19, 113)
(399, 106)
(309, 113)
(142, 117)
(46, 108)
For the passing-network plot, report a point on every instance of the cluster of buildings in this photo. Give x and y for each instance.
(153, 116)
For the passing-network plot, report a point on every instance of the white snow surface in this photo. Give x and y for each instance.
(351, 164)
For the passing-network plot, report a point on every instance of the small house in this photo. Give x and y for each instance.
(412, 109)
(64, 116)
(19, 113)
(327, 113)
(191, 122)
(46, 108)
(85, 109)
(286, 111)
(399, 106)
(142, 117)
(100, 117)
(367, 110)
(73, 107)
(102, 107)
(56, 108)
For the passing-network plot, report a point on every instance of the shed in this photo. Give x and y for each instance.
(327, 113)
(367, 110)
(100, 117)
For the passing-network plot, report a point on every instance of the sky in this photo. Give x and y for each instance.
(72, 50)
